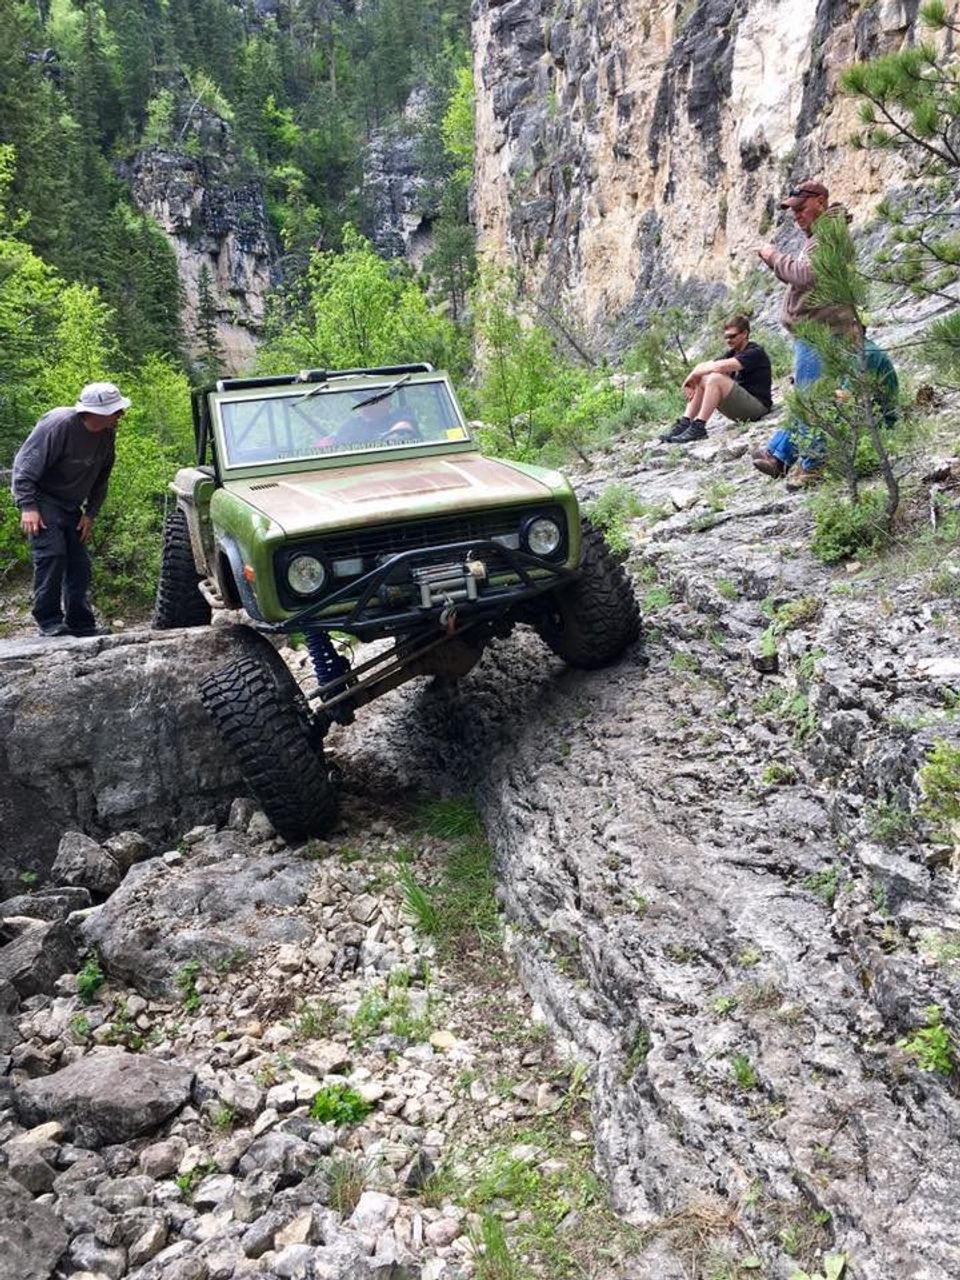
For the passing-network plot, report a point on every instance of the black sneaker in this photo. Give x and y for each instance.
(678, 427)
(697, 430)
(56, 629)
(88, 631)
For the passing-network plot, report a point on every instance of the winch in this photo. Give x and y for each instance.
(446, 584)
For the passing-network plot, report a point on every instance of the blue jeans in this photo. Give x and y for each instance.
(807, 368)
(61, 571)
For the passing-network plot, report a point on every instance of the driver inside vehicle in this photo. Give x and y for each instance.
(373, 421)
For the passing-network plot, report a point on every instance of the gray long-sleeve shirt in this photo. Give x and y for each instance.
(62, 462)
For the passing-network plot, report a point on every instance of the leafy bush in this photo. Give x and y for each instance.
(339, 1104)
(843, 529)
(932, 1046)
(361, 310)
(90, 978)
(616, 504)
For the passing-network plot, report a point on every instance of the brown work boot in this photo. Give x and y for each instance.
(802, 479)
(765, 461)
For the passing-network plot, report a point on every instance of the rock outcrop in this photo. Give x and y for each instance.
(395, 188)
(105, 735)
(214, 217)
(629, 152)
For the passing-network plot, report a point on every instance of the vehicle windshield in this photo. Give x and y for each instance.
(326, 420)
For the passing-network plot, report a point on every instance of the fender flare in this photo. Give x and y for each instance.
(229, 548)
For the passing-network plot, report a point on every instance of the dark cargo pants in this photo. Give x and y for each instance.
(61, 571)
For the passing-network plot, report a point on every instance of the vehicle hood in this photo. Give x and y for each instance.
(309, 502)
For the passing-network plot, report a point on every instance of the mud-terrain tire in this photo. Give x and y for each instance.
(591, 622)
(263, 720)
(179, 602)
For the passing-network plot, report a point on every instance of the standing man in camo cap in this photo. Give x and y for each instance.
(60, 478)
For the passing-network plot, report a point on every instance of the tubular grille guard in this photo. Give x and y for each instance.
(361, 617)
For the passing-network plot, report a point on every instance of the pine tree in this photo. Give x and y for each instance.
(846, 405)
(911, 104)
(209, 352)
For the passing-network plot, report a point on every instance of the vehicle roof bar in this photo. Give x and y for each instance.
(319, 375)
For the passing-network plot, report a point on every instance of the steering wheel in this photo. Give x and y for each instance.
(402, 433)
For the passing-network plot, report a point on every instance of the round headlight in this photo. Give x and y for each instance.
(306, 575)
(543, 536)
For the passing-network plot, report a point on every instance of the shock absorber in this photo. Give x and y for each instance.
(328, 664)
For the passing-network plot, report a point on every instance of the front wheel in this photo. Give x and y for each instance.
(179, 602)
(590, 622)
(263, 719)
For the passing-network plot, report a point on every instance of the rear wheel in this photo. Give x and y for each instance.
(179, 602)
(263, 719)
(590, 622)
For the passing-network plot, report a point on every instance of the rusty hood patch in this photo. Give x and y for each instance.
(314, 501)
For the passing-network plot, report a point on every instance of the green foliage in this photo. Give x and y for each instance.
(825, 884)
(888, 822)
(660, 355)
(610, 511)
(940, 783)
(459, 910)
(494, 1259)
(910, 102)
(743, 1071)
(185, 980)
(347, 1175)
(451, 819)
(339, 1104)
(90, 978)
(778, 774)
(844, 528)
(932, 1045)
(834, 1266)
(361, 310)
(390, 1007)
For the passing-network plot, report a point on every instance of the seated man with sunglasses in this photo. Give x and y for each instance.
(738, 384)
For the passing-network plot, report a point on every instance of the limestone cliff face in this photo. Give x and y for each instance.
(629, 150)
(212, 217)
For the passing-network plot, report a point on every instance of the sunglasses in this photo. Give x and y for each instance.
(730, 334)
(802, 194)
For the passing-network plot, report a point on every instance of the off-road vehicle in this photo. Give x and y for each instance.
(356, 504)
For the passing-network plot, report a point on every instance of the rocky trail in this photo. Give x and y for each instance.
(729, 894)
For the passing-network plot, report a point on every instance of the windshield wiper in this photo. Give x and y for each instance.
(321, 390)
(382, 395)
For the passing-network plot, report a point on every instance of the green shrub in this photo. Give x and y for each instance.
(610, 511)
(339, 1104)
(843, 529)
(940, 782)
(90, 978)
(932, 1046)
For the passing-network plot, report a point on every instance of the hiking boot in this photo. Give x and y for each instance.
(55, 629)
(697, 430)
(88, 631)
(803, 479)
(673, 432)
(770, 465)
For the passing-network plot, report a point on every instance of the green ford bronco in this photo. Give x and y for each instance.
(355, 504)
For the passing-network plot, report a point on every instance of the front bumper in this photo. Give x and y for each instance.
(407, 591)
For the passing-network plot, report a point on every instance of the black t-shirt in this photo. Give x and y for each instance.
(755, 375)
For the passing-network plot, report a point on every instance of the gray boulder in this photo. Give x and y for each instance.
(32, 1235)
(82, 862)
(222, 899)
(46, 904)
(34, 953)
(100, 735)
(106, 1097)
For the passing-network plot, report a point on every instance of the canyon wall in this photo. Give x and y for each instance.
(629, 152)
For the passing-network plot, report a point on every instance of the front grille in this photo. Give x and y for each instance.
(375, 545)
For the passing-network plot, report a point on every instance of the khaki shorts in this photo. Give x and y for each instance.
(741, 406)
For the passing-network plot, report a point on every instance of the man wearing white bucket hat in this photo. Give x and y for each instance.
(60, 477)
